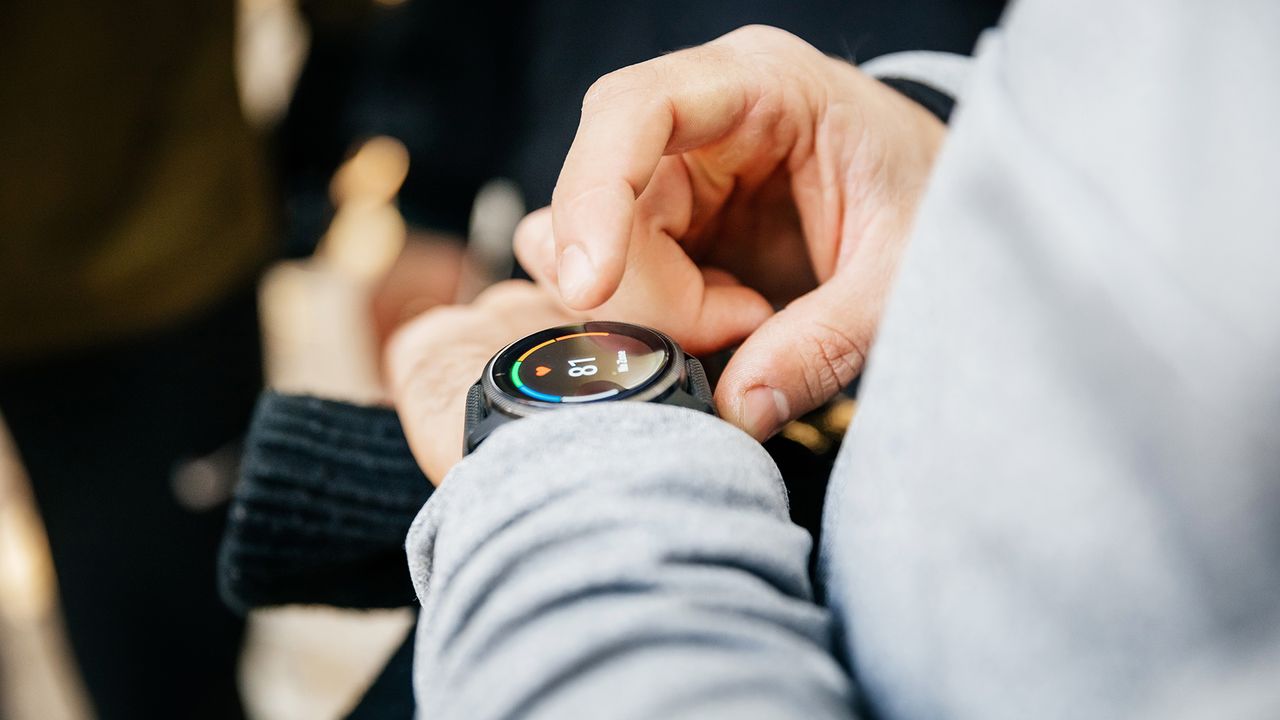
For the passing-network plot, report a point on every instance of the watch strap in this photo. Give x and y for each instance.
(696, 394)
(475, 406)
(697, 380)
(479, 423)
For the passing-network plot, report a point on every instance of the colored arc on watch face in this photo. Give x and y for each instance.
(585, 366)
(541, 345)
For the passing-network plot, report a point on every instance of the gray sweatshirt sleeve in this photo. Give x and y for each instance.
(1060, 497)
(629, 559)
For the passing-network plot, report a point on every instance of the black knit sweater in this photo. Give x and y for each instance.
(326, 496)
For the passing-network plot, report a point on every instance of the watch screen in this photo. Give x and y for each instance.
(581, 363)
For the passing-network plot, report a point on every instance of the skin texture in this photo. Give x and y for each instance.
(709, 186)
(704, 189)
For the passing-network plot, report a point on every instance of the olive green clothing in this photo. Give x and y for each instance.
(132, 191)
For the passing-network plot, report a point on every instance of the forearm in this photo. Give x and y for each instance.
(631, 557)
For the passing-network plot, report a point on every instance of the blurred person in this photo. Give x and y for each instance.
(135, 214)
(1058, 498)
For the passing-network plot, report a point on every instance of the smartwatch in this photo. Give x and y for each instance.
(588, 362)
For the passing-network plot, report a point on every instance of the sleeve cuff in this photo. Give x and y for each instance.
(935, 80)
(602, 450)
(327, 493)
(936, 102)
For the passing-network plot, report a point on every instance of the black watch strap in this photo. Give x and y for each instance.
(930, 98)
(697, 393)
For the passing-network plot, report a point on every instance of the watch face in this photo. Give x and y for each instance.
(582, 363)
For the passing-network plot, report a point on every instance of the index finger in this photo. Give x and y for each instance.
(630, 119)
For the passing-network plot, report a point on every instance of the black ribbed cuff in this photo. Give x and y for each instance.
(930, 98)
(327, 493)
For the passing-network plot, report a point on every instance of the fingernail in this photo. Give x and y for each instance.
(763, 410)
(576, 275)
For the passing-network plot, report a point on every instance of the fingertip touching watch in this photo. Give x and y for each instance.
(584, 363)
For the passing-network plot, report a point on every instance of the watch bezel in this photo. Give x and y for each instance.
(664, 382)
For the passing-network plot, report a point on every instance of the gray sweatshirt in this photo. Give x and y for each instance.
(1060, 497)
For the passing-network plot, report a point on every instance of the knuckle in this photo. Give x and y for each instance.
(509, 290)
(696, 59)
(757, 35)
(526, 229)
(499, 299)
(775, 50)
(534, 229)
(833, 358)
(607, 89)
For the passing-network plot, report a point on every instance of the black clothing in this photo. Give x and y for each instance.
(484, 90)
(327, 493)
(100, 434)
(931, 99)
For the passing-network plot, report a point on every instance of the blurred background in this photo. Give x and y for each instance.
(201, 199)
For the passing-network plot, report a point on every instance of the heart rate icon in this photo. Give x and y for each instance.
(541, 370)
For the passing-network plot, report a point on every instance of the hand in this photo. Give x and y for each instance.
(709, 185)
(434, 359)
(425, 274)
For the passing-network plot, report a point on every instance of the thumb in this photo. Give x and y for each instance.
(800, 358)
